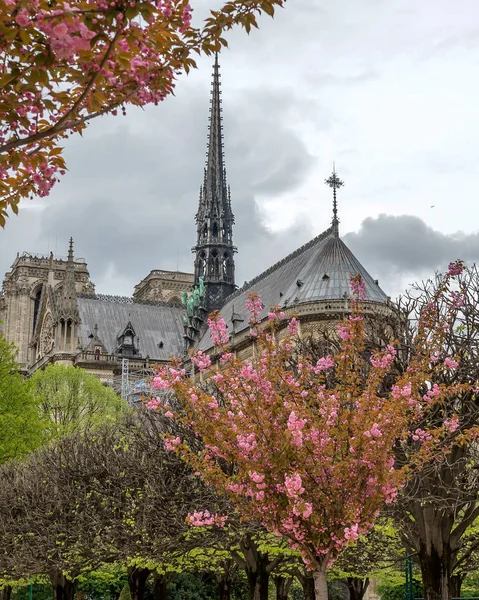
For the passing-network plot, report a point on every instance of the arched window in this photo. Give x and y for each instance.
(205, 232)
(215, 230)
(97, 353)
(215, 263)
(36, 306)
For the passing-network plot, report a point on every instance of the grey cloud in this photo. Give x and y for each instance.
(393, 248)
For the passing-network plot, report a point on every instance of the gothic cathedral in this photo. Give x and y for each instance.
(50, 311)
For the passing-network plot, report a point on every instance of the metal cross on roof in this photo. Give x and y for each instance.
(334, 182)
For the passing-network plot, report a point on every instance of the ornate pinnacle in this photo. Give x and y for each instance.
(334, 182)
(70, 251)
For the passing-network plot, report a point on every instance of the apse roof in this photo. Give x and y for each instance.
(153, 324)
(319, 270)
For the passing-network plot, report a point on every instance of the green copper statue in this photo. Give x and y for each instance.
(201, 286)
(190, 306)
(196, 297)
(184, 297)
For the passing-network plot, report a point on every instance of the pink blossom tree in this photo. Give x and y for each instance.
(306, 448)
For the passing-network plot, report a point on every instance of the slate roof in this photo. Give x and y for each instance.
(152, 324)
(319, 270)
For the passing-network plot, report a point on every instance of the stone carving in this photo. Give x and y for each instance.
(47, 337)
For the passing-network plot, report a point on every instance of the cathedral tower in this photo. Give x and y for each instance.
(214, 250)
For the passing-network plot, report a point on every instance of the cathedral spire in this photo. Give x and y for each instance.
(214, 248)
(215, 172)
(334, 182)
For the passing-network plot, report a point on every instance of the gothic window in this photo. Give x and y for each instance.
(215, 259)
(97, 353)
(36, 306)
(215, 230)
(204, 233)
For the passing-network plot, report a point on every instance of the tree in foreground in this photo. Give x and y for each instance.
(72, 399)
(107, 494)
(65, 63)
(439, 506)
(20, 423)
(309, 449)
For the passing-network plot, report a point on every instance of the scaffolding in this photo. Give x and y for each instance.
(133, 385)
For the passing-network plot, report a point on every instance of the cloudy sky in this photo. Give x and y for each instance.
(388, 90)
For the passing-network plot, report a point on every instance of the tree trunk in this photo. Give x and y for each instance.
(320, 582)
(307, 583)
(63, 588)
(224, 587)
(436, 573)
(258, 580)
(6, 592)
(160, 587)
(357, 587)
(455, 585)
(137, 577)
(283, 585)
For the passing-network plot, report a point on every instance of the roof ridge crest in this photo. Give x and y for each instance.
(280, 263)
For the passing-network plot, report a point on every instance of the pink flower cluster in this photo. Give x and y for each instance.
(201, 360)
(450, 364)
(455, 268)
(384, 360)
(457, 299)
(419, 435)
(276, 313)
(171, 444)
(451, 425)
(358, 287)
(374, 432)
(344, 332)
(323, 364)
(160, 382)
(293, 326)
(432, 393)
(256, 477)
(294, 485)
(254, 306)
(154, 404)
(219, 335)
(295, 426)
(204, 518)
(351, 533)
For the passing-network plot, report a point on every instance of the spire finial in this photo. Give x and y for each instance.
(70, 251)
(215, 174)
(334, 182)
